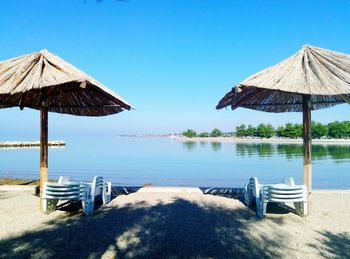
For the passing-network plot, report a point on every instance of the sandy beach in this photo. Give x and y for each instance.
(174, 223)
(264, 140)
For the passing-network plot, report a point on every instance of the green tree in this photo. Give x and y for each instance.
(289, 130)
(280, 131)
(189, 133)
(216, 133)
(298, 128)
(338, 129)
(241, 130)
(293, 130)
(251, 131)
(265, 130)
(203, 134)
(318, 130)
(347, 126)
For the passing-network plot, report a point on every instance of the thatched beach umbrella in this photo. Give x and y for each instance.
(45, 82)
(312, 79)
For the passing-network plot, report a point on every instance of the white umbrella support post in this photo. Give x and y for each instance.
(307, 148)
(43, 148)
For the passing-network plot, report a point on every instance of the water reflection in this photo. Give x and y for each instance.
(203, 143)
(189, 145)
(215, 146)
(261, 149)
(192, 145)
(339, 152)
(290, 151)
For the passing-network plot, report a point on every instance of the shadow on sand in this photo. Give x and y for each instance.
(238, 194)
(180, 229)
(333, 245)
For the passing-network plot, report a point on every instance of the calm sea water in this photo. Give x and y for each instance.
(165, 161)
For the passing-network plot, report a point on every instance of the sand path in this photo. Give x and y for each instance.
(175, 224)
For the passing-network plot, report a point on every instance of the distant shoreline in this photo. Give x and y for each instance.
(263, 140)
(19, 144)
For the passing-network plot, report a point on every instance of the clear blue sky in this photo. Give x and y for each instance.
(172, 59)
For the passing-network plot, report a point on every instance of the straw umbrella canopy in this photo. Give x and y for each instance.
(45, 82)
(313, 78)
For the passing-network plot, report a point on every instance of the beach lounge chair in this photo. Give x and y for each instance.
(285, 192)
(67, 190)
(100, 187)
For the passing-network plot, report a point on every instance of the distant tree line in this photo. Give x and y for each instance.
(191, 133)
(336, 129)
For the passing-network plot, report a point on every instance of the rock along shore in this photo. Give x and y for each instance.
(29, 143)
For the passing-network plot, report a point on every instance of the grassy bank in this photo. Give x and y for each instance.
(16, 181)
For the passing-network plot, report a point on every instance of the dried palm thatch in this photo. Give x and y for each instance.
(27, 80)
(320, 73)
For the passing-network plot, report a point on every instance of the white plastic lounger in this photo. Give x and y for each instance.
(100, 187)
(285, 192)
(66, 190)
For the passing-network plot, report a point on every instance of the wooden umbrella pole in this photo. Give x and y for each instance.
(43, 148)
(307, 148)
